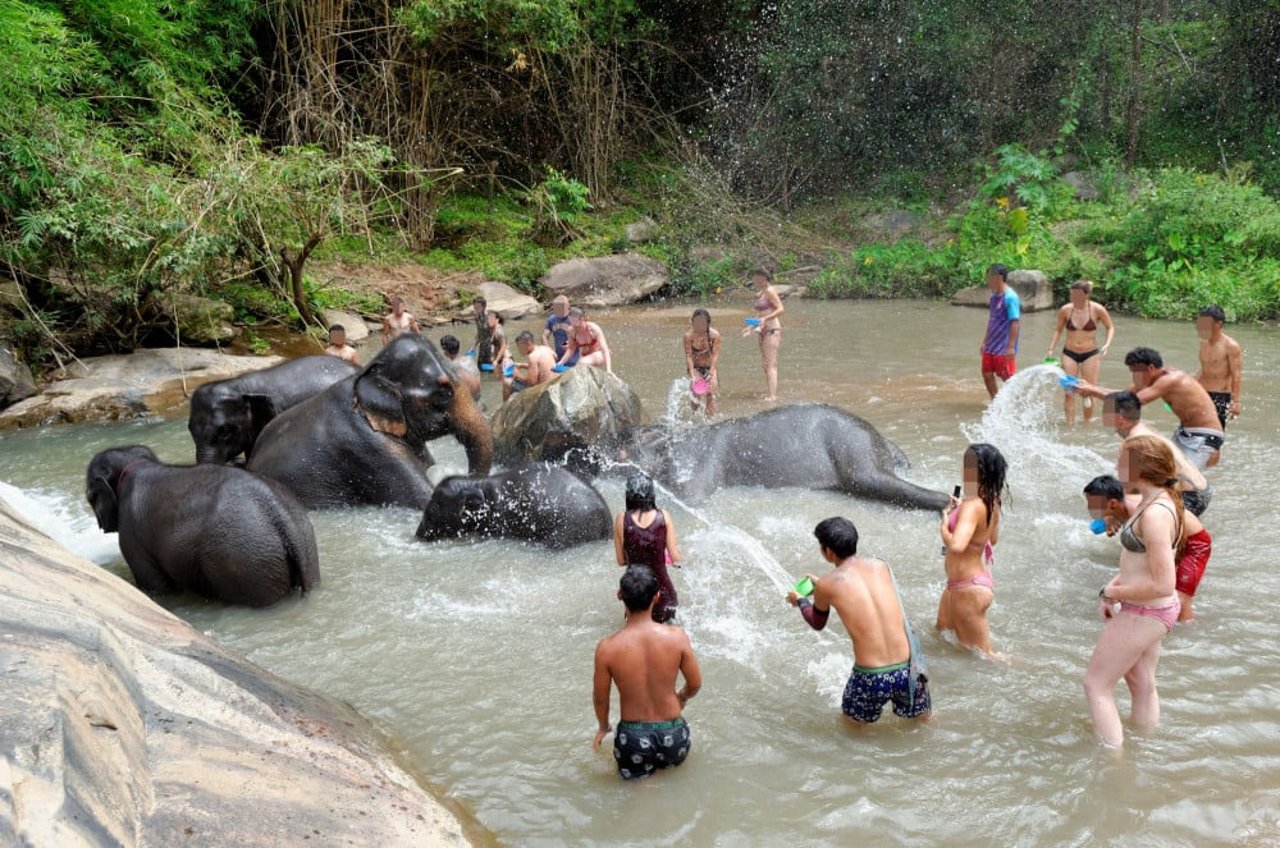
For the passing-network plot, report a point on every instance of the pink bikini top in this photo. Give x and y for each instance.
(988, 552)
(762, 305)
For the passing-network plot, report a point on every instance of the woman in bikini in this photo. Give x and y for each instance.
(970, 529)
(645, 535)
(586, 339)
(769, 305)
(1081, 356)
(701, 355)
(1140, 604)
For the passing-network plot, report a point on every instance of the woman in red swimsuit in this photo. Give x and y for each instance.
(1081, 355)
(970, 529)
(586, 339)
(645, 535)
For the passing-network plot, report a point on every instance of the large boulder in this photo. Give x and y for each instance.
(123, 725)
(1033, 287)
(196, 320)
(352, 323)
(16, 382)
(108, 388)
(506, 301)
(579, 417)
(606, 280)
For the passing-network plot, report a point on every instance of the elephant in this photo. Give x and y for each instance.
(211, 529)
(808, 445)
(364, 439)
(227, 416)
(537, 502)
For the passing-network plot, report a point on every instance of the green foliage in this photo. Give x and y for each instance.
(702, 279)
(557, 203)
(906, 268)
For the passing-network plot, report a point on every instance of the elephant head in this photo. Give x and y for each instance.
(102, 482)
(456, 506)
(226, 425)
(409, 391)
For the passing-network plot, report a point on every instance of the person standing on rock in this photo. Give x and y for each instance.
(768, 327)
(586, 342)
(643, 659)
(1004, 323)
(338, 345)
(538, 367)
(398, 322)
(556, 332)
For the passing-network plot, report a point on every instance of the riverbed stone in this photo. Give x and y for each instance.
(352, 323)
(121, 724)
(196, 320)
(606, 280)
(580, 417)
(16, 382)
(1033, 288)
(1083, 184)
(646, 229)
(145, 382)
(506, 301)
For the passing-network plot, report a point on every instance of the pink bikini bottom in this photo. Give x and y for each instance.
(1166, 615)
(982, 578)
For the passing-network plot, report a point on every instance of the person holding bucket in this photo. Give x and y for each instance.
(701, 354)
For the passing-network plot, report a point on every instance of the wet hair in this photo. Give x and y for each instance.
(640, 493)
(1124, 404)
(838, 535)
(638, 587)
(479, 301)
(1142, 357)
(1214, 312)
(397, 301)
(575, 312)
(450, 345)
(495, 314)
(763, 272)
(1082, 286)
(337, 328)
(526, 336)
(991, 467)
(701, 313)
(1151, 460)
(1105, 486)
(998, 270)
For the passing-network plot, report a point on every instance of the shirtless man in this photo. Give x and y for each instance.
(338, 345)
(863, 593)
(642, 659)
(539, 366)
(1122, 411)
(1221, 362)
(467, 372)
(1198, 433)
(586, 342)
(398, 322)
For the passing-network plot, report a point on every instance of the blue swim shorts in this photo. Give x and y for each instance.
(869, 689)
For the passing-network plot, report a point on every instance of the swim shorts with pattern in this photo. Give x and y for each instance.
(869, 689)
(640, 747)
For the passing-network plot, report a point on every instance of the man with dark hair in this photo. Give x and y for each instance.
(887, 661)
(538, 367)
(1004, 322)
(1198, 434)
(643, 659)
(1221, 363)
(465, 366)
(398, 321)
(1122, 411)
(338, 345)
(1106, 499)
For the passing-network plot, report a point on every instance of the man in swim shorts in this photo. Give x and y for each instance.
(643, 659)
(862, 591)
(538, 367)
(1221, 361)
(397, 322)
(1106, 499)
(1198, 435)
(1123, 412)
(1000, 346)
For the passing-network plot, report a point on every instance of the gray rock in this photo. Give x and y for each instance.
(197, 320)
(16, 382)
(705, 254)
(352, 323)
(108, 388)
(582, 414)
(606, 280)
(1083, 184)
(646, 229)
(123, 725)
(506, 301)
(1033, 287)
(11, 296)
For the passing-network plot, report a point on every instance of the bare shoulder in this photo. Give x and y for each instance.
(1231, 344)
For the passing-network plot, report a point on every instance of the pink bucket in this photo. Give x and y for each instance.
(700, 387)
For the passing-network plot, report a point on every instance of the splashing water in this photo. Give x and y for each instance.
(64, 521)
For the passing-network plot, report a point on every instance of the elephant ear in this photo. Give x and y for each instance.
(102, 498)
(380, 400)
(261, 410)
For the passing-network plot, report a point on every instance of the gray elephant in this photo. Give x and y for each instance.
(812, 446)
(218, 531)
(538, 503)
(227, 416)
(364, 439)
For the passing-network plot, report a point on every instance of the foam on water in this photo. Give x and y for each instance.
(70, 523)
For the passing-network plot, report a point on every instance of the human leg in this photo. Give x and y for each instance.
(1124, 639)
(969, 608)
(770, 341)
(1072, 369)
(595, 360)
(1141, 680)
(1089, 370)
(944, 619)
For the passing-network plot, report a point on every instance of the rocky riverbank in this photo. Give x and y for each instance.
(121, 724)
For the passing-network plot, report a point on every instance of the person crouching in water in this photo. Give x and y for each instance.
(970, 529)
(643, 659)
(644, 534)
(1107, 500)
(887, 662)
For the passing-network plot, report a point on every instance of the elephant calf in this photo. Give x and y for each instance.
(537, 503)
(218, 531)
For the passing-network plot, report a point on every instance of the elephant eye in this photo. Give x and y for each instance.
(223, 433)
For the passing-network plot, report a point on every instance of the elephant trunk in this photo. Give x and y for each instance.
(472, 430)
(209, 455)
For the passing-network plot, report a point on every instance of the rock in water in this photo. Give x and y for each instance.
(507, 302)
(579, 417)
(16, 382)
(1033, 288)
(197, 320)
(121, 724)
(357, 330)
(606, 280)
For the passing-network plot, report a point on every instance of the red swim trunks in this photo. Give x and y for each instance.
(1002, 366)
(1195, 556)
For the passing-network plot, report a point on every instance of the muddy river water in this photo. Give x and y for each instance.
(476, 656)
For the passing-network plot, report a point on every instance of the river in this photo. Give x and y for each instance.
(476, 656)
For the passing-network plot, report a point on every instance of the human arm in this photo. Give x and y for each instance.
(688, 354)
(618, 530)
(957, 541)
(690, 672)
(1105, 318)
(570, 348)
(672, 550)
(1057, 330)
(600, 689)
(713, 341)
(1015, 327)
(414, 326)
(604, 347)
(548, 337)
(1235, 364)
(815, 616)
(386, 330)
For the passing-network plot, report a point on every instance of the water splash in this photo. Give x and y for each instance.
(65, 521)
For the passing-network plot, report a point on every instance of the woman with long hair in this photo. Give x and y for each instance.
(646, 535)
(1140, 604)
(769, 328)
(1081, 355)
(701, 356)
(970, 529)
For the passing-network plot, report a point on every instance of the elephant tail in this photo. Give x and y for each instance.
(299, 540)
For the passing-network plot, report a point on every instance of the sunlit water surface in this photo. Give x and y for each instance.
(477, 656)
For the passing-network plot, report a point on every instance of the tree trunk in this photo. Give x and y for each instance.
(1135, 85)
(293, 266)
